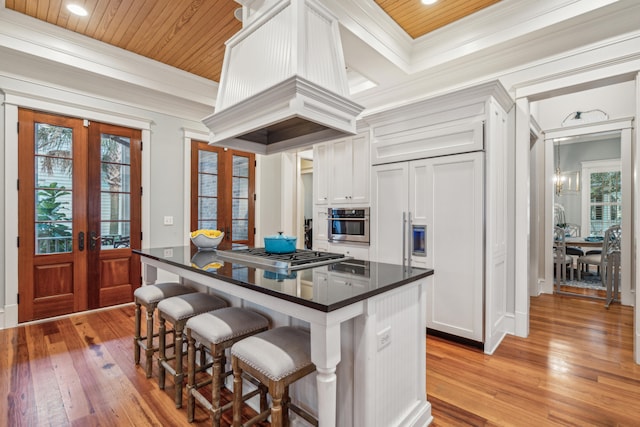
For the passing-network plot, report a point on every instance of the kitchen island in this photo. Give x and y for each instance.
(367, 322)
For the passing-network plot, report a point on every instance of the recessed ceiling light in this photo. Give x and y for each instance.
(429, 1)
(77, 9)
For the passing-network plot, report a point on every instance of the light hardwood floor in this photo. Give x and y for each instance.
(575, 369)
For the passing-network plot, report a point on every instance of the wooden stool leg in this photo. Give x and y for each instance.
(179, 372)
(285, 407)
(149, 351)
(216, 376)
(237, 393)
(263, 397)
(277, 391)
(162, 351)
(136, 337)
(191, 376)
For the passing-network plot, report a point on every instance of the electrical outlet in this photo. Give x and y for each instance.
(168, 253)
(168, 220)
(384, 338)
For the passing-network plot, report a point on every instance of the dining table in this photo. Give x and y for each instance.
(583, 242)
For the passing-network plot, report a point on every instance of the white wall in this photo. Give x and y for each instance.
(571, 157)
(617, 100)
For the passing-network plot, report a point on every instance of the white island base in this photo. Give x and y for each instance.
(370, 355)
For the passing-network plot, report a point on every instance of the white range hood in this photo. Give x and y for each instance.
(284, 81)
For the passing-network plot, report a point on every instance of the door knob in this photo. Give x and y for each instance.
(93, 240)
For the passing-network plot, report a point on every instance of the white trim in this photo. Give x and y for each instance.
(13, 100)
(636, 223)
(522, 193)
(10, 317)
(64, 107)
(146, 189)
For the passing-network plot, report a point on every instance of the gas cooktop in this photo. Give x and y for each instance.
(298, 260)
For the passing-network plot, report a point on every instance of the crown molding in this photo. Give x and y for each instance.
(503, 23)
(36, 51)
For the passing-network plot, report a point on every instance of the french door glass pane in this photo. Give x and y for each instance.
(240, 208)
(240, 166)
(115, 234)
(115, 186)
(209, 225)
(207, 208)
(115, 206)
(115, 177)
(207, 185)
(207, 162)
(53, 189)
(240, 187)
(240, 229)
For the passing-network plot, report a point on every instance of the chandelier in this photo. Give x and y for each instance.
(557, 177)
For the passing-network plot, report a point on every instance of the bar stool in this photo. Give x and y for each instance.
(217, 330)
(177, 310)
(276, 358)
(149, 296)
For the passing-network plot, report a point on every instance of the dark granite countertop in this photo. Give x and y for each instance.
(325, 288)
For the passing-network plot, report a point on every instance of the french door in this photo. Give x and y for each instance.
(222, 193)
(79, 214)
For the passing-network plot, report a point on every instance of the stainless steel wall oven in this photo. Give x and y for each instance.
(348, 225)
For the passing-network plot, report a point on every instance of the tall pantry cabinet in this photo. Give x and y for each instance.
(439, 200)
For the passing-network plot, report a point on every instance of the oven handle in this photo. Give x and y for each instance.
(331, 218)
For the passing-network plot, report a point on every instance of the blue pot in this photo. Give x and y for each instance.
(280, 244)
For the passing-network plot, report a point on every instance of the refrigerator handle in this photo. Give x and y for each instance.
(410, 237)
(404, 237)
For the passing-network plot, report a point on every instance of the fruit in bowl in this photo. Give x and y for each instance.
(205, 239)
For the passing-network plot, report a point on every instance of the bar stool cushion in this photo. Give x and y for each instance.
(184, 306)
(152, 294)
(225, 324)
(275, 353)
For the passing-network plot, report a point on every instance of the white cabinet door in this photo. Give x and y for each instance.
(447, 195)
(321, 173)
(361, 170)
(350, 170)
(389, 200)
(341, 171)
(320, 229)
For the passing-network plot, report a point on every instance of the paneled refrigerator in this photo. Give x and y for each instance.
(430, 213)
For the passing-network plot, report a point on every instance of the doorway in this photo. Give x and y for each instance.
(587, 192)
(223, 193)
(79, 192)
(606, 137)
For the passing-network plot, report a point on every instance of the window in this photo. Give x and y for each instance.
(222, 192)
(602, 196)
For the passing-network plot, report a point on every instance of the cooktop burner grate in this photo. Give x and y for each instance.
(301, 258)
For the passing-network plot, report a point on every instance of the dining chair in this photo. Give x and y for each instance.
(561, 259)
(610, 244)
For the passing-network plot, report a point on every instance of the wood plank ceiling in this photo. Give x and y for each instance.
(190, 34)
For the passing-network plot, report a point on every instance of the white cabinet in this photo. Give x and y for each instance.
(320, 229)
(336, 286)
(355, 251)
(350, 170)
(445, 196)
(443, 163)
(320, 174)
